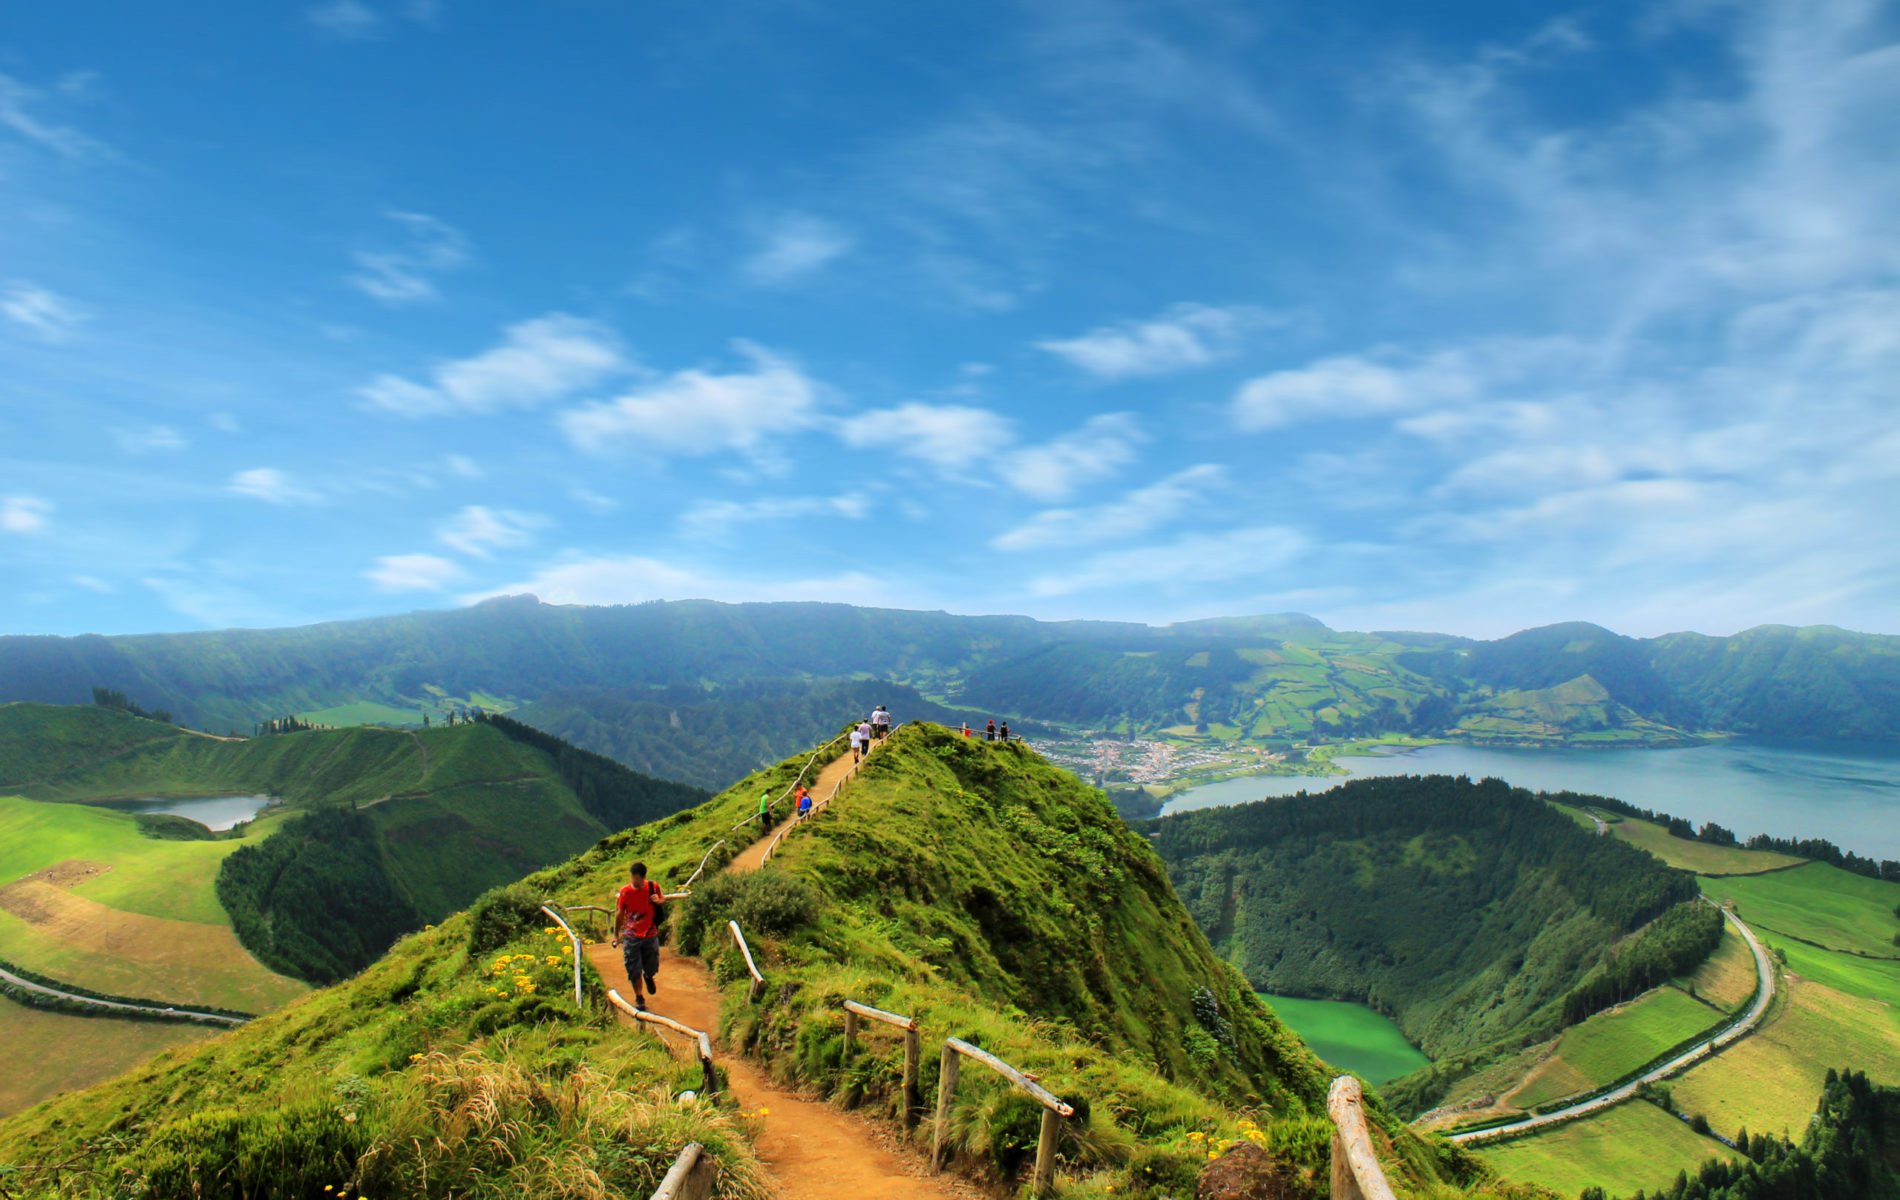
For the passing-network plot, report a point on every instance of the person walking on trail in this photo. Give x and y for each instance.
(638, 911)
(857, 746)
(989, 734)
(966, 729)
(864, 736)
(880, 722)
(804, 802)
(1004, 732)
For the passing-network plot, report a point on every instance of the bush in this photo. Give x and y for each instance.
(502, 915)
(287, 1153)
(765, 903)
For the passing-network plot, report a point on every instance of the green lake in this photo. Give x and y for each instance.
(1350, 1036)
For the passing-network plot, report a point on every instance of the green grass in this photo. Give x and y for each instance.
(38, 740)
(1700, 857)
(1576, 814)
(1818, 902)
(1769, 1081)
(1634, 1145)
(1611, 1044)
(1727, 976)
(1350, 1036)
(363, 712)
(75, 1052)
(1871, 977)
(156, 878)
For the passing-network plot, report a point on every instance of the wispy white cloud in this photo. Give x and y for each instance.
(1180, 338)
(346, 19)
(538, 361)
(593, 501)
(478, 529)
(712, 520)
(24, 514)
(413, 573)
(1052, 471)
(42, 313)
(18, 112)
(1140, 511)
(407, 274)
(951, 437)
(149, 439)
(794, 246)
(271, 485)
(1249, 553)
(1387, 381)
(462, 466)
(627, 579)
(693, 412)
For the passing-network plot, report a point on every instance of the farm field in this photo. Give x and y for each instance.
(1634, 1145)
(1726, 977)
(90, 1049)
(1820, 903)
(1700, 857)
(1350, 1036)
(1611, 1044)
(1770, 1080)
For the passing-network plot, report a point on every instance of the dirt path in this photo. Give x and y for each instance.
(829, 776)
(812, 1150)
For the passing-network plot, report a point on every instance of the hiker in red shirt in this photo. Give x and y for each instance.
(637, 916)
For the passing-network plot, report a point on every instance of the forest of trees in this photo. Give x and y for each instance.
(1466, 911)
(314, 900)
(1673, 944)
(110, 698)
(1848, 1153)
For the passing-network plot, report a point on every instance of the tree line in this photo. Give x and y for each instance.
(1818, 849)
(612, 794)
(1673, 944)
(111, 698)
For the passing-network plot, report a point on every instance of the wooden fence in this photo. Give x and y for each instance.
(913, 1050)
(575, 941)
(758, 980)
(691, 1177)
(955, 1050)
(1356, 1171)
(701, 1042)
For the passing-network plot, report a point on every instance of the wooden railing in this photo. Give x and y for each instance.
(701, 1042)
(575, 941)
(691, 1177)
(913, 1050)
(758, 980)
(1356, 1171)
(824, 802)
(1053, 1109)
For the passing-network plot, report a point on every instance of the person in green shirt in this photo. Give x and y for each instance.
(765, 806)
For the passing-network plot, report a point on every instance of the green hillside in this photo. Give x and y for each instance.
(1468, 911)
(971, 885)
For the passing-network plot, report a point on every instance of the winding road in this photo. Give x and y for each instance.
(1764, 994)
(191, 1014)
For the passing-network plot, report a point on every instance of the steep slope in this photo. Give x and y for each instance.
(970, 885)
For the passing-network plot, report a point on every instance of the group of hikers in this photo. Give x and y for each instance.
(640, 909)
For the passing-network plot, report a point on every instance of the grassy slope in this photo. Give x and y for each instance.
(386, 1034)
(40, 740)
(1700, 857)
(1819, 903)
(157, 878)
(1613, 1043)
(74, 1052)
(1628, 1147)
(1727, 977)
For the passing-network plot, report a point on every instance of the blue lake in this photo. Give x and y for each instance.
(1846, 793)
(213, 812)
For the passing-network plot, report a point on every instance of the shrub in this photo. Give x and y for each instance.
(285, 1153)
(502, 915)
(765, 903)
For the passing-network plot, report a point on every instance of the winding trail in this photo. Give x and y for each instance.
(811, 1150)
(42, 989)
(1764, 995)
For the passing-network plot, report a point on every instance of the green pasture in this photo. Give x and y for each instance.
(1818, 902)
(1611, 1044)
(1877, 979)
(363, 712)
(1700, 857)
(1726, 977)
(1633, 1145)
(1576, 814)
(148, 876)
(1769, 1081)
(1350, 1036)
(76, 1052)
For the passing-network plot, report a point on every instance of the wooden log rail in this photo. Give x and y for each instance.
(758, 980)
(701, 1042)
(1054, 1110)
(913, 1050)
(691, 1176)
(824, 802)
(1356, 1171)
(575, 941)
(800, 778)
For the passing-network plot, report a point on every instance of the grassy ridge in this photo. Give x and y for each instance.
(1611, 1044)
(1819, 903)
(1622, 1149)
(1704, 858)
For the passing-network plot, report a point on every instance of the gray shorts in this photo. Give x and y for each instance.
(641, 957)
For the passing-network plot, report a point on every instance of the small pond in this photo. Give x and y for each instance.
(213, 812)
(1350, 1036)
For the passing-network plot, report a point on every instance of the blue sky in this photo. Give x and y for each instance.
(1463, 318)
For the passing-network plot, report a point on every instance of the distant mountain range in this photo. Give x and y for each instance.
(690, 688)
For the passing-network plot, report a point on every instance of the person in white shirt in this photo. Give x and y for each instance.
(857, 746)
(864, 736)
(880, 723)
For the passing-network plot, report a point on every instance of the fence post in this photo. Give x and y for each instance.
(850, 1035)
(1046, 1151)
(913, 1101)
(946, 1089)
